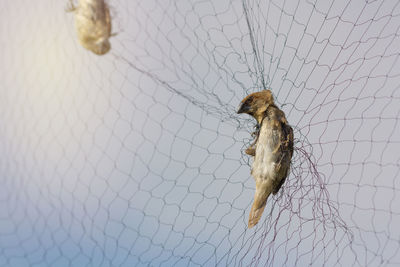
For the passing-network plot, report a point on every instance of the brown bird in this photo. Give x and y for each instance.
(93, 25)
(272, 149)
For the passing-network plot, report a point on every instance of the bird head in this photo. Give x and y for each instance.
(256, 104)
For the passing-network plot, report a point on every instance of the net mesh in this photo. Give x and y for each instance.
(137, 157)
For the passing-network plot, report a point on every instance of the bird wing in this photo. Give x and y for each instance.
(286, 152)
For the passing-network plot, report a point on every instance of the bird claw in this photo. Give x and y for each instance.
(256, 130)
(251, 151)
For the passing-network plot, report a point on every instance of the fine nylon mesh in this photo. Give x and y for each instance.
(136, 158)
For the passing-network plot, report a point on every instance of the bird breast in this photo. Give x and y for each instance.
(266, 154)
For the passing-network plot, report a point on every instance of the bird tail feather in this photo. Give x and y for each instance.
(263, 190)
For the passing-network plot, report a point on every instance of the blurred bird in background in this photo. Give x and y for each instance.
(272, 149)
(93, 24)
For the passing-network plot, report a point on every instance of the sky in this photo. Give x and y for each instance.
(136, 158)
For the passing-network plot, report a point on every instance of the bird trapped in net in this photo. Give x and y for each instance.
(272, 149)
(93, 24)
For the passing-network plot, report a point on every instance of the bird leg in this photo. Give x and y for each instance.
(251, 150)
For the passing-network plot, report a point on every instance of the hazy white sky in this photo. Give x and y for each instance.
(136, 157)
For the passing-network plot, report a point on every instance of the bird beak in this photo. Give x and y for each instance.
(244, 108)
